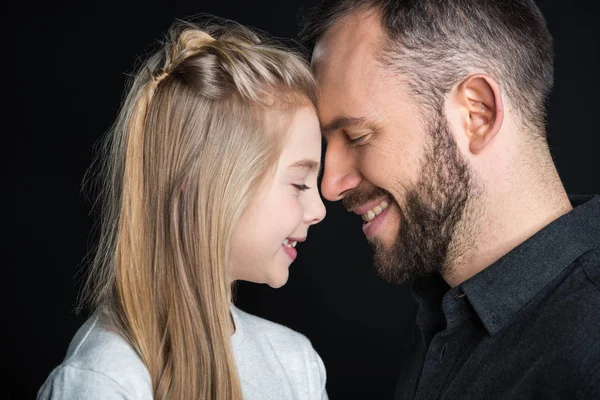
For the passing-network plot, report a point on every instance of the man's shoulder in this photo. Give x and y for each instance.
(570, 318)
(579, 294)
(555, 339)
(585, 310)
(590, 264)
(577, 298)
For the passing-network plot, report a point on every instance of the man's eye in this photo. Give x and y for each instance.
(302, 187)
(358, 141)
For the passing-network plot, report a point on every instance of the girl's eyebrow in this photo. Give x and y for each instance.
(306, 164)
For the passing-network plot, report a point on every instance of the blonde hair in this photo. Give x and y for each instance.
(186, 155)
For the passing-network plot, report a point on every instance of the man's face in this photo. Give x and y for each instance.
(388, 160)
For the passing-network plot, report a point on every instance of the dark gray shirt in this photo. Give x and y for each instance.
(526, 327)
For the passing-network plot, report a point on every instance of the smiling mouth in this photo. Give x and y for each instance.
(372, 213)
(290, 243)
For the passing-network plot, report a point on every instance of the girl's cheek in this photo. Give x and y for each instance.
(298, 211)
(288, 207)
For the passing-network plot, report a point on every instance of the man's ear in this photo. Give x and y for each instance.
(479, 96)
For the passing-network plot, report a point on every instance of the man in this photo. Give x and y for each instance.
(434, 115)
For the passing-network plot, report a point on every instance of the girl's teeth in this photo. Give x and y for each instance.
(287, 243)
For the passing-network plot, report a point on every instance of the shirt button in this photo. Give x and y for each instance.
(443, 352)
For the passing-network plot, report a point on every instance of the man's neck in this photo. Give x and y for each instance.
(512, 213)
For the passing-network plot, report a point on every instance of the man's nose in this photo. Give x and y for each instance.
(340, 174)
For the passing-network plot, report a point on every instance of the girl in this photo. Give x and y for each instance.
(210, 177)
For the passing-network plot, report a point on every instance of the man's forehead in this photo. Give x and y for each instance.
(349, 43)
(348, 74)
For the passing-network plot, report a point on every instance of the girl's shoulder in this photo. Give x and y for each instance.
(260, 328)
(100, 363)
(282, 360)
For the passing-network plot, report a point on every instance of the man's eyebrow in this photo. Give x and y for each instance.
(341, 122)
(306, 164)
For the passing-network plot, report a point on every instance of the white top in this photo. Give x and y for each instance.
(273, 361)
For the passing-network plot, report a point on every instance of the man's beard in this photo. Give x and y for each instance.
(434, 230)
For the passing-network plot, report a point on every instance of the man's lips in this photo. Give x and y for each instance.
(363, 209)
(371, 228)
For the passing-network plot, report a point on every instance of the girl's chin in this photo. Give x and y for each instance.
(278, 280)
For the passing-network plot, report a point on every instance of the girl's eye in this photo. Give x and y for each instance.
(302, 187)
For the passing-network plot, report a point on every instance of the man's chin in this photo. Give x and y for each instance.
(386, 239)
(388, 263)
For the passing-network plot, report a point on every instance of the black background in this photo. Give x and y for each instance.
(67, 64)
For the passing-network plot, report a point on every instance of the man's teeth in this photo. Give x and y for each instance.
(289, 244)
(375, 211)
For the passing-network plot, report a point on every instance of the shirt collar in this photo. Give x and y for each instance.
(498, 292)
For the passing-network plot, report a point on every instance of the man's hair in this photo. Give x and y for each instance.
(437, 43)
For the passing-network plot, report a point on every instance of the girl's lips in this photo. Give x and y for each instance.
(370, 229)
(290, 251)
(299, 240)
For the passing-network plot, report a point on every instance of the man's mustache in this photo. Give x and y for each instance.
(358, 198)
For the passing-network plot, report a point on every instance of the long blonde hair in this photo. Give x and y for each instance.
(186, 155)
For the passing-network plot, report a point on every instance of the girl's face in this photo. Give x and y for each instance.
(280, 215)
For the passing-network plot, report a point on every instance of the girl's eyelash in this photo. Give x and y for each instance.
(302, 187)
